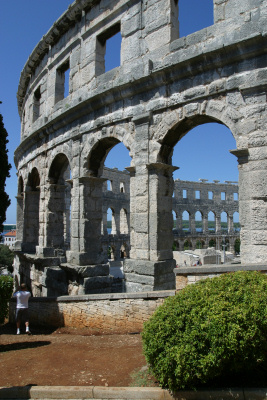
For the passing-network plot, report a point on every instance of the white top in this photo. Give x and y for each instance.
(22, 298)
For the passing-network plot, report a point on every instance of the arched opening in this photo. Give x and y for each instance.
(187, 245)
(111, 222)
(198, 222)
(31, 212)
(174, 218)
(224, 222)
(111, 253)
(212, 242)
(106, 165)
(59, 204)
(200, 146)
(211, 222)
(186, 221)
(117, 199)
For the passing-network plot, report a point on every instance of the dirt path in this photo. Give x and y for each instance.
(68, 357)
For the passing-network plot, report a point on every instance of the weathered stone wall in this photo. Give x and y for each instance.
(120, 313)
(164, 87)
(186, 276)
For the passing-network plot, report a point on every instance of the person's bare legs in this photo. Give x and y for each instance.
(18, 327)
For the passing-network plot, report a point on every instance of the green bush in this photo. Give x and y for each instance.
(6, 288)
(215, 328)
(6, 257)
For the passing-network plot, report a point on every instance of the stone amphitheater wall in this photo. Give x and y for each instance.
(165, 85)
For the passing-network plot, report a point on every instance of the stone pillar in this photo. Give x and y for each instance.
(230, 224)
(31, 221)
(253, 201)
(179, 222)
(217, 223)
(192, 224)
(87, 256)
(87, 249)
(52, 221)
(205, 224)
(151, 264)
(20, 222)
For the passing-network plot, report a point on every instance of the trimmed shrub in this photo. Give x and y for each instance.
(215, 328)
(6, 288)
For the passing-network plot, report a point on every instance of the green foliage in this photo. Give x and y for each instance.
(4, 173)
(6, 288)
(237, 246)
(6, 257)
(215, 328)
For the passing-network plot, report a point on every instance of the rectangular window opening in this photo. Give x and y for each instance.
(36, 103)
(210, 195)
(194, 15)
(235, 196)
(62, 81)
(223, 195)
(108, 49)
(197, 194)
(184, 194)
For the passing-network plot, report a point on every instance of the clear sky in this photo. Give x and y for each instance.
(202, 153)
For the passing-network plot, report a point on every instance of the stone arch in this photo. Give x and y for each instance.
(20, 186)
(59, 169)
(96, 150)
(31, 212)
(59, 203)
(173, 133)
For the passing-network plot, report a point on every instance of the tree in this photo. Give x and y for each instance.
(6, 257)
(4, 173)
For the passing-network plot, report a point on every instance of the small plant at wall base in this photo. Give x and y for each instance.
(213, 333)
(6, 288)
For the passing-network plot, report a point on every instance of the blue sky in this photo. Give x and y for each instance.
(202, 153)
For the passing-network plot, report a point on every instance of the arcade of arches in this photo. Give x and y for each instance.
(164, 86)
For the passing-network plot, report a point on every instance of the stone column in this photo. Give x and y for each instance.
(205, 224)
(87, 256)
(230, 224)
(53, 221)
(31, 221)
(179, 222)
(192, 223)
(217, 223)
(87, 249)
(20, 222)
(253, 200)
(151, 264)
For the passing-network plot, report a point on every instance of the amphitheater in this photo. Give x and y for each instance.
(165, 86)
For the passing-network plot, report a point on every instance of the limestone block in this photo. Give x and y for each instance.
(143, 279)
(92, 284)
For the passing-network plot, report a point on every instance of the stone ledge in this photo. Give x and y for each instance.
(127, 393)
(104, 296)
(213, 269)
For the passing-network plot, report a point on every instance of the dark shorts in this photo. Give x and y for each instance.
(22, 315)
